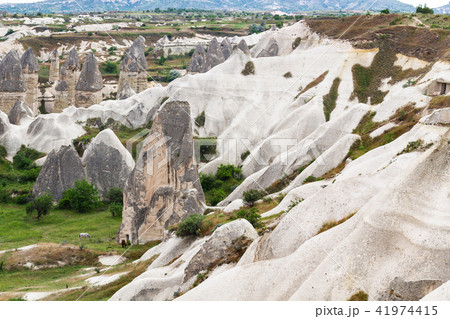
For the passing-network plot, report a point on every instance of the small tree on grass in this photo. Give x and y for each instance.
(82, 197)
(42, 205)
(116, 209)
(251, 196)
(190, 226)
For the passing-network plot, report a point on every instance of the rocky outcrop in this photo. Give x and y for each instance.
(226, 48)
(271, 49)
(133, 69)
(226, 245)
(54, 66)
(60, 171)
(30, 68)
(90, 83)
(107, 162)
(202, 61)
(214, 55)
(197, 61)
(242, 45)
(164, 186)
(70, 72)
(19, 111)
(12, 84)
(126, 92)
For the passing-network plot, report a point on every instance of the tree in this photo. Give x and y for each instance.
(251, 196)
(111, 67)
(116, 209)
(173, 74)
(190, 226)
(424, 10)
(228, 171)
(385, 11)
(42, 205)
(115, 195)
(82, 197)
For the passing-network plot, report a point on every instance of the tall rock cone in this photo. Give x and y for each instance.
(90, 83)
(70, 72)
(54, 66)
(12, 83)
(198, 60)
(133, 68)
(164, 186)
(30, 68)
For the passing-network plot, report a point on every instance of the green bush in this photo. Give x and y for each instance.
(25, 157)
(217, 196)
(245, 155)
(208, 181)
(42, 205)
(251, 215)
(116, 209)
(228, 171)
(82, 197)
(385, 11)
(115, 195)
(424, 10)
(190, 226)
(251, 196)
(3, 152)
(200, 120)
(249, 68)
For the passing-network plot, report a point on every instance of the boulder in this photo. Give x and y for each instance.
(198, 60)
(18, 112)
(60, 171)
(126, 92)
(62, 86)
(90, 77)
(107, 162)
(226, 245)
(164, 186)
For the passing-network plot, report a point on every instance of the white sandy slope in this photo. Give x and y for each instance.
(401, 229)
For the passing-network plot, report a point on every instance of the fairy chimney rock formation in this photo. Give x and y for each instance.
(12, 82)
(133, 68)
(54, 66)
(30, 68)
(242, 45)
(164, 186)
(226, 48)
(61, 96)
(70, 72)
(19, 111)
(202, 61)
(126, 92)
(90, 84)
(197, 61)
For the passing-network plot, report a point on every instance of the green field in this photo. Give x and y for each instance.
(18, 229)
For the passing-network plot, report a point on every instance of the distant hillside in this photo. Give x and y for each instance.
(443, 9)
(49, 6)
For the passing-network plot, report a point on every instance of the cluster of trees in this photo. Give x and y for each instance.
(82, 198)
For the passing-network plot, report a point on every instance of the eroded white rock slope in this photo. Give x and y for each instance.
(400, 229)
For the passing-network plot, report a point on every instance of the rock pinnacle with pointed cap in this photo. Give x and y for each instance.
(11, 76)
(29, 62)
(72, 61)
(90, 77)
